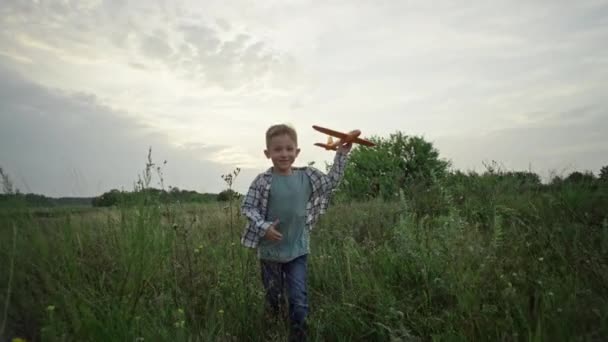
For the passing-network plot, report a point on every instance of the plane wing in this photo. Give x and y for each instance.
(364, 142)
(327, 147)
(330, 132)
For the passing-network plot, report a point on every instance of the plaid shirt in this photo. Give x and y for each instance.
(255, 203)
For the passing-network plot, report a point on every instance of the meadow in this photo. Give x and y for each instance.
(474, 259)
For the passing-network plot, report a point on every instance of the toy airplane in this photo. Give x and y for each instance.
(345, 138)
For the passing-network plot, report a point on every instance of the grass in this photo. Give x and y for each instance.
(487, 263)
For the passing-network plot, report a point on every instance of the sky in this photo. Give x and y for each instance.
(88, 86)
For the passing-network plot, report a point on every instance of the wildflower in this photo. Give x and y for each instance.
(541, 259)
(221, 312)
(50, 308)
(180, 311)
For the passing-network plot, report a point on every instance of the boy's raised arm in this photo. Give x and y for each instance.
(331, 180)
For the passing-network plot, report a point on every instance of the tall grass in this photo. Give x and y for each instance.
(474, 260)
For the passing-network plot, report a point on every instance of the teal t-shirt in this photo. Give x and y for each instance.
(287, 202)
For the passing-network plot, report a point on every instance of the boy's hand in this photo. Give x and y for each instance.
(272, 233)
(345, 148)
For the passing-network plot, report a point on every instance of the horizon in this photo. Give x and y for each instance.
(551, 175)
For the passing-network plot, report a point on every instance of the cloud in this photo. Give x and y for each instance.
(231, 62)
(156, 46)
(223, 24)
(59, 143)
(485, 80)
(201, 37)
(210, 51)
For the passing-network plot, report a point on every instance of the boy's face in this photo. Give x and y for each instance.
(282, 150)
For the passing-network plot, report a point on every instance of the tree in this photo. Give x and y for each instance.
(523, 178)
(394, 164)
(579, 177)
(108, 199)
(228, 195)
(604, 174)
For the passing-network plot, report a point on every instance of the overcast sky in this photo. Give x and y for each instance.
(87, 86)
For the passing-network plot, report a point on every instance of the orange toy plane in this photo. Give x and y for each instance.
(345, 138)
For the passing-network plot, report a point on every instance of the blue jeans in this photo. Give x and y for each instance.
(291, 276)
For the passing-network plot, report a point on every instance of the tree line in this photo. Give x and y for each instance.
(399, 164)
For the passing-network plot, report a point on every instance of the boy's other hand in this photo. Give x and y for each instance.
(272, 233)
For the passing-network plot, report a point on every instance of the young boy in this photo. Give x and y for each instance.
(282, 206)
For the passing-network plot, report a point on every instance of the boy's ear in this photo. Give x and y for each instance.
(266, 154)
(297, 151)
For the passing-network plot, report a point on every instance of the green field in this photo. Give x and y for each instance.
(478, 261)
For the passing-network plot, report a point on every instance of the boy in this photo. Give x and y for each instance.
(282, 205)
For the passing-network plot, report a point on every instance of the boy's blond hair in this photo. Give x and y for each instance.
(280, 129)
